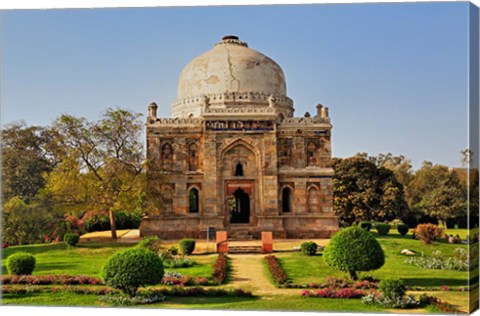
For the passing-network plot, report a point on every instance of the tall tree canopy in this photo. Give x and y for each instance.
(437, 191)
(102, 168)
(363, 191)
(27, 154)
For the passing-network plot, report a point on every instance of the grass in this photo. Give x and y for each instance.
(88, 259)
(281, 303)
(315, 270)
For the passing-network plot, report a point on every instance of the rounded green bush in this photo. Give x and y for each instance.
(152, 243)
(392, 288)
(71, 239)
(366, 225)
(402, 229)
(130, 269)
(308, 248)
(354, 249)
(20, 263)
(187, 246)
(383, 229)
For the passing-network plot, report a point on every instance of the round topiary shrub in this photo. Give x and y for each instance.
(366, 225)
(354, 249)
(392, 288)
(152, 243)
(308, 248)
(187, 246)
(71, 239)
(382, 229)
(402, 229)
(130, 269)
(20, 263)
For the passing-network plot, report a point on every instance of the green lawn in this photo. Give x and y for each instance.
(314, 270)
(283, 303)
(88, 259)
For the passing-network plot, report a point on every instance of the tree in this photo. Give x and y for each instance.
(25, 223)
(363, 191)
(437, 192)
(27, 154)
(354, 249)
(103, 164)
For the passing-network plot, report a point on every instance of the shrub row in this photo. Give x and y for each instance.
(383, 229)
(278, 274)
(50, 279)
(329, 293)
(220, 269)
(174, 291)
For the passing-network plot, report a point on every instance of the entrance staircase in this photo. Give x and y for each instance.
(245, 249)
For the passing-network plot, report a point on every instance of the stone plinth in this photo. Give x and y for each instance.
(267, 242)
(222, 242)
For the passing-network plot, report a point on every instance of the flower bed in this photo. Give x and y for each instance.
(332, 282)
(174, 278)
(172, 291)
(220, 269)
(50, 279)
(278, 274)
(333, 293)
(459, 261)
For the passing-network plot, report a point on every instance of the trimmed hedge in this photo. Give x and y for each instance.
(383, 229)
(187, 246)
(21, 263)
(354, 249)
(132, 268)
(366, 225)
(392, 288)
(71, 239)
(402, 229)
(309, 248)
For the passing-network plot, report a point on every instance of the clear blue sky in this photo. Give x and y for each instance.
(393, 75)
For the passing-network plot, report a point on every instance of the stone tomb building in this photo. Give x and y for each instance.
(235, 157)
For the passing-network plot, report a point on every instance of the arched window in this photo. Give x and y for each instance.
(167, 156)
(239, 170)
(286, 200)
(193, 200)
(313, 200)
(192, 157)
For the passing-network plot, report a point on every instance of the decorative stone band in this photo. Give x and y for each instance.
(299, 121)
(185, 107)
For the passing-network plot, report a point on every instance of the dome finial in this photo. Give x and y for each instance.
(230, 37)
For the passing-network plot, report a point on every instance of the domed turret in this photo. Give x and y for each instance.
(231, 75)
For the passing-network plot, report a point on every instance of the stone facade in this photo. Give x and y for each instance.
(235, 158)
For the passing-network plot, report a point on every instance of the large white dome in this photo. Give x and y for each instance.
(229, 69)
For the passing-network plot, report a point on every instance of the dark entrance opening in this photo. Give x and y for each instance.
(239, 170)
(286, 200)
(240, 211)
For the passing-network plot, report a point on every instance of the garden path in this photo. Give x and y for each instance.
(248, 273)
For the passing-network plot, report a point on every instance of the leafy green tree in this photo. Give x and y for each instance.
(25, 223)
(363, 191)
(437, 191)
(28, 152)
(103, 164)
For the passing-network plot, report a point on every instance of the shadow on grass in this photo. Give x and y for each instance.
(188, 300)
(434, 282)
(54, 266)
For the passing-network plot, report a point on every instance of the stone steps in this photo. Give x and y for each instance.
(245, 249)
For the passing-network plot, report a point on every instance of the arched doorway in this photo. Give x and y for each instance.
(239, 205)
